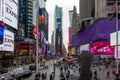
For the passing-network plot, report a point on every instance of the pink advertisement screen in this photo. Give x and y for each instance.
(102, 47)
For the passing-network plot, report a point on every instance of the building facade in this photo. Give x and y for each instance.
(96, 8)
(26, 16)
(103, 7)
(86, 7)
(58, 30)
(8, 31)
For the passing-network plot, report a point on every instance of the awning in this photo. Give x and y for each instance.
(99, 30)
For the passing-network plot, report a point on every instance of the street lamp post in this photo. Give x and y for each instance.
(37, 24)
(117, 34)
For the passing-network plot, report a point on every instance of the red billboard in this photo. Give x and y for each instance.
(102, 47)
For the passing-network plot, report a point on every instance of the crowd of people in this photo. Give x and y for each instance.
(65, 72)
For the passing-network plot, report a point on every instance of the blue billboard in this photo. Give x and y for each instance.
(1, 34)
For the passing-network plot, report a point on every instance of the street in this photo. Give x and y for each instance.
(48, 71)
(57, 73)
(101, 74)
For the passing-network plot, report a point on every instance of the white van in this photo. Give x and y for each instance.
(17, 71)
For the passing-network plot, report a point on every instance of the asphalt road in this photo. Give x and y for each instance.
(57, 73)
(101, 74)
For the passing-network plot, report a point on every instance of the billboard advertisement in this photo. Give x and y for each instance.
(9, 12)
(113, 38)
(117, 52)
(1, 34)
(102, 47)
(84, 47)
(8, 43)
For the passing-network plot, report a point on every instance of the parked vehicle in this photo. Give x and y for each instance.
(17, 71)
(2, 78)
(32, 67)
(3, 70)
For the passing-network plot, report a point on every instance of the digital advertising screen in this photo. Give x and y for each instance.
(102, 47)
(1, 34)
(9, 12)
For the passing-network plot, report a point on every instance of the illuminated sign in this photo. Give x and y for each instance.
(8, 44)
(9, 12)
(1, 34)
(102, 47)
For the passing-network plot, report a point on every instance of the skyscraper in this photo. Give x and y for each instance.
(25, 16)
(58, 29)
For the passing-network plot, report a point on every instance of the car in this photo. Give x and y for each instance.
(32, 67)
(2, 78)
(3, 70)
(42, 65)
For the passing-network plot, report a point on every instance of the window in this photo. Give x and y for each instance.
(59, 26)
(111, 2)
(59, 20)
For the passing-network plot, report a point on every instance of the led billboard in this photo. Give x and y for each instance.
(102, 47)
(9, 12)
(8, 42)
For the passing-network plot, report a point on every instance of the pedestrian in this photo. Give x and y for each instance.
(68, 74)
(62, 77)
(108, 75)
(113, 72)
(51, 77)
(36, 77)
(14, 78)
(43, 76)
(39, 75)
(95, 75)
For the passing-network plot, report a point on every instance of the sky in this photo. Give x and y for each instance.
(66, 5)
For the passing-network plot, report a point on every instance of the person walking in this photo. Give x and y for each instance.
(37, 77)
(62, 77)
(67, 74)
(108, 75)
(51, 77)
(95, 75)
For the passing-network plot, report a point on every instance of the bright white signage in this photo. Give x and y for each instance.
(113, 38)
(8, 43)
(118, 52)
(9, 12)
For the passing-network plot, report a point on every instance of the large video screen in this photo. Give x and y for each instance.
(1, 34)
(102, 47)
(9, 12)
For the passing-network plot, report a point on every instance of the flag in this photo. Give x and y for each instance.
(41, 18)
(112, 11)
(45, 41)
(42, 36)
(40, 11)
(35, 32)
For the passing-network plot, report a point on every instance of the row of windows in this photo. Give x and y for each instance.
(111, 2)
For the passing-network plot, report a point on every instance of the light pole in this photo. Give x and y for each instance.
(117, 34)
(37, 24)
